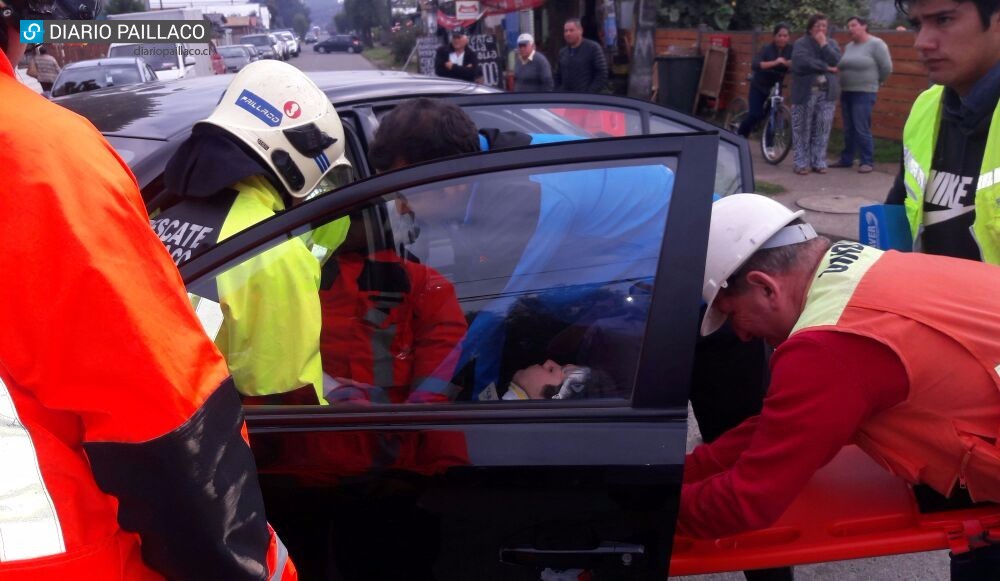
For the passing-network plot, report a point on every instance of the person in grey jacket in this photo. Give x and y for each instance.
(532, 71)
(582, 66)
(866, 64)
(815, 89)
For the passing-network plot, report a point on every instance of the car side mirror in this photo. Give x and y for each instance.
(189, 61)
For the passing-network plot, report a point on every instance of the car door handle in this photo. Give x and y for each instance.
(605, 555)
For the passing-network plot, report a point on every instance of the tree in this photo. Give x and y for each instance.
(300, 23)
(340, 23)
(744, 14)
(125, 6)
(363, 15)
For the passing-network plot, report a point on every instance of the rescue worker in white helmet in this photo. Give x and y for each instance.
(853, 364)
(123, 455)
(272, 141)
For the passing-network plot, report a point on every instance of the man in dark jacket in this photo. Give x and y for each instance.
(455, 60)
(582, 66)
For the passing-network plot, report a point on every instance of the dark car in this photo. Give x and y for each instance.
(339, 42)
(611, 277)
(96, 74)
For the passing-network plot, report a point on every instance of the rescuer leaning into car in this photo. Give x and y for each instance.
(860, 335)
(389, 323)
(121, 434)
(272, 141)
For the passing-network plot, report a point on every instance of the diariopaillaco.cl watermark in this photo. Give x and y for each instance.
(121, 31)
(171, 50)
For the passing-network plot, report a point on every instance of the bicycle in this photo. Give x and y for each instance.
(776, 138)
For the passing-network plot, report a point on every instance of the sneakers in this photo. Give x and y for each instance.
(865, 168)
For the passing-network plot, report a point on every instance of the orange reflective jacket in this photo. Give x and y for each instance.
(121, 446)
(940, 316)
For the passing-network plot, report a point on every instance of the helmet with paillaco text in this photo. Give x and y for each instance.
(286, 120)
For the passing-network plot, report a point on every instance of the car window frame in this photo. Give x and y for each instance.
(645, 109)
(682, 250)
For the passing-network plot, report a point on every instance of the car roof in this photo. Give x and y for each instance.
(162, 110)
(104, 62)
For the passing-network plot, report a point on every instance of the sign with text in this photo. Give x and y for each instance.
(485, 47)
(467, 9)
(490, 60)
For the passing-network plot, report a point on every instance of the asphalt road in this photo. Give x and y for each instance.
(309, 60)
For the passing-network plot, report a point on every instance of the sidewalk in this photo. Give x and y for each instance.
(832, 200)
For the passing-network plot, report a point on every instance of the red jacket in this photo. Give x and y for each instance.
(392, 324)
(123, 455)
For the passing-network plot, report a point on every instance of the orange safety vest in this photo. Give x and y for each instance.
(103, 365)
(941, 317)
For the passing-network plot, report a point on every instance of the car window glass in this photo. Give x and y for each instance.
(521, 284)
(558, 118)
(728, 177)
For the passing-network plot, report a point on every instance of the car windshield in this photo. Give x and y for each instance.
(257, 40)
(231, 51)
(91, 78)
(162, 57)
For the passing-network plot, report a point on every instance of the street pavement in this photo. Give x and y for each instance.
(831, 202)
(310, 60)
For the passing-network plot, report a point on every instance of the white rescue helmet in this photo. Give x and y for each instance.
(282, 116)
(741, 225)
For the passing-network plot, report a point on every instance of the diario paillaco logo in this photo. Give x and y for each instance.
(32, 31)
(116, 31)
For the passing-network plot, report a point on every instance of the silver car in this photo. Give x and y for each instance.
(235, 56)
(289, 40)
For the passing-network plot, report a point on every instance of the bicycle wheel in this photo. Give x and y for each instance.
(776, 139)
(735, 113)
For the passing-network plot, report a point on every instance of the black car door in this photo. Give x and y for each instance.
(439, 298)
(587, 116)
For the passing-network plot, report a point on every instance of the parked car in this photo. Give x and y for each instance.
(235, 56)
(290, 41)
(96, 74)
(311, 38)
(170, 61)
(339, 42)
(265, 44)
(218, 63)
(250, 50)
(499, 489)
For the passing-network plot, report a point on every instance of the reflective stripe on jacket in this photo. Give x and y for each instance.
(919, 141)
(939, 315)
(114, 407)
(390, 323)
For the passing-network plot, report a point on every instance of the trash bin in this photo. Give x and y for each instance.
(678, 78)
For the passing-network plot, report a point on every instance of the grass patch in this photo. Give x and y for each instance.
(886, 150)
(380, 56)
(769, 189)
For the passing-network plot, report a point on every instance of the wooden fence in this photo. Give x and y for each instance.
(895, 98)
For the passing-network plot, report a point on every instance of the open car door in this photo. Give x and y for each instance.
(852, 508)
(467, 279)
(580, 115)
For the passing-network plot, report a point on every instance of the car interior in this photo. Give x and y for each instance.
(530, 269)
